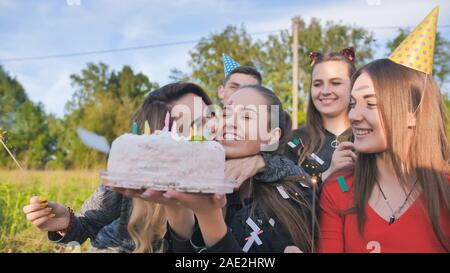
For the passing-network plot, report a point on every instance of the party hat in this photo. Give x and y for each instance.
(229, 64)
(417, 50)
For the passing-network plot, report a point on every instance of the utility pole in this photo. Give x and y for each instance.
(295, 24)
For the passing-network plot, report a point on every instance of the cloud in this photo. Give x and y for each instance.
(53, 27)
(6, 3)
(357, 13)
(58, 93)
(52, 90)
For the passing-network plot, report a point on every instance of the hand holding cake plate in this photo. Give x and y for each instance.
(149, 195)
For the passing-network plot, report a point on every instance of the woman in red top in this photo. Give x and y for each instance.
(398, 197)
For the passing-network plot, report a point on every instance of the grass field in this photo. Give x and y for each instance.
(71, 188)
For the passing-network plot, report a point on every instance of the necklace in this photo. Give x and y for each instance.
(393, 216)
(335, 143)
(340, 138)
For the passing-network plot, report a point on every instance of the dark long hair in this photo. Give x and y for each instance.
(160, 100)
(401, 90)
(315, 131)
(297, 222)
(147, 223)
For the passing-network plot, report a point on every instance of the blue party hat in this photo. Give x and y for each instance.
(229, 64)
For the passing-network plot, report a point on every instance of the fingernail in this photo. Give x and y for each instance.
(42, 199)
(146, 194)
(52, 215)
(219, 196)
(166, 195)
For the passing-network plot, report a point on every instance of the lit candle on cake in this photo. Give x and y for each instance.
(166, 122)
(194, 131)
(174, 129)
(146, 128)
(194, 136)
(135, 128)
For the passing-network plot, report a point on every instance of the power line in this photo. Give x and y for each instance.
(398, 27)
(84, 53)
(133, 48)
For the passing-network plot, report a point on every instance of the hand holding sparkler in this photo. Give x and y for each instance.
(313, 214)
(3, 139)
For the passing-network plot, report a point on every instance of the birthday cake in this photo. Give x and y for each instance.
(162, 161)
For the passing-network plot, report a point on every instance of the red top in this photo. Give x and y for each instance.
(411, 232)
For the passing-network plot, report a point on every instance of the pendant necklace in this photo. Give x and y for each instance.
(394, 214)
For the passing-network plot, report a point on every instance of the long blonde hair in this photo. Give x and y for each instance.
(147, 226)
(147, 222)
(426, 155)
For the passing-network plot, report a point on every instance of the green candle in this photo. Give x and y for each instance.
(135, 128)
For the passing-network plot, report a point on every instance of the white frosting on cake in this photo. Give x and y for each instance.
(159, 160)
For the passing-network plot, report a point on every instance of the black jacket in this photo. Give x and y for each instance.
(104, 216)
(310, 165)
(274, 237)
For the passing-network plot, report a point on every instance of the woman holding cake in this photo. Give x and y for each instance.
(123, 220)
(259, 217)
(112, 221)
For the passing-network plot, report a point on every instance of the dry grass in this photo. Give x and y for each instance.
(71, 188)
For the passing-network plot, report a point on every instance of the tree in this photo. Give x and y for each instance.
(26, 123)
(104, 102)
(441, 65)
(273, 57)
(206, 58)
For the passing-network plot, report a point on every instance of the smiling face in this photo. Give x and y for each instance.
(243, 120)
(235, 81)
(330, 88)
(367, 125)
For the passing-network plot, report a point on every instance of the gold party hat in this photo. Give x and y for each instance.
(417, 50)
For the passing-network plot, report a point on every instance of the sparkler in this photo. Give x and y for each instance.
(313, 214)
(3, 137)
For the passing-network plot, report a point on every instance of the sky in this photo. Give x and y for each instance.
(49, 27)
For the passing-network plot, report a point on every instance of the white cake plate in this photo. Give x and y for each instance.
(164, 183)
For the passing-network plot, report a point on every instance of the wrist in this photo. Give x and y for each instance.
(70, 215)
(260, 164)
(212, 226)
(210, 215)
(181, 221)
(178, 212)
(325, 174)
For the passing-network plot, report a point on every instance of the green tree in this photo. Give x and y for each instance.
(26, 123)
(273, 56)
(206, 58)
(441, 65)
(56, 132)
(103, 102)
